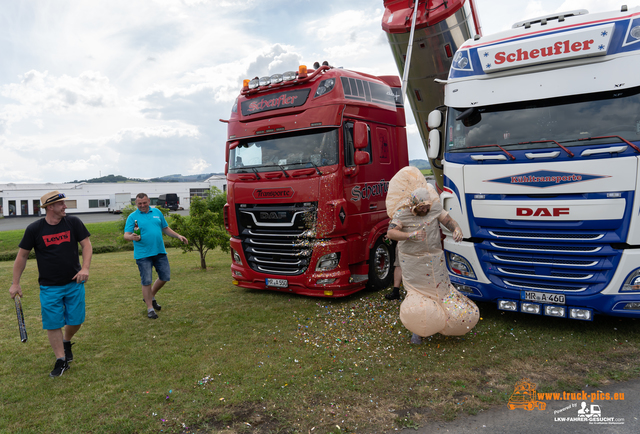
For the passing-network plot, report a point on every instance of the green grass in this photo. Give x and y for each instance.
(427, 172)
(259, 361)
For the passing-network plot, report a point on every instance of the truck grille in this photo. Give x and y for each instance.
(559, 261)
(277, 239)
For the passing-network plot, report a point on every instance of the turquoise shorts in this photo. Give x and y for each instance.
(62, 305)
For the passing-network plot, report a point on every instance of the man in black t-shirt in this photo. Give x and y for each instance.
(55, 240)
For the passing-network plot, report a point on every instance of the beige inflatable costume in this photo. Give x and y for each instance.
(432, 304)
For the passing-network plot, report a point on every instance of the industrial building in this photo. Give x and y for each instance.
(24, 199)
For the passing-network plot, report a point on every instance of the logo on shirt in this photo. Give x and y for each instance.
(62, 237)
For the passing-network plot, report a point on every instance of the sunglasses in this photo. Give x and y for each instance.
(54, 198)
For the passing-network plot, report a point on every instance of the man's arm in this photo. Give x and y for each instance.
(451, 225)
(173, 234)
(87, 252)
(18, 268)
(396, 234)
(130, 236)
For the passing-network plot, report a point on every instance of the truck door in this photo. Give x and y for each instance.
(356, 177)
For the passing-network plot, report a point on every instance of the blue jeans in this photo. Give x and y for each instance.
(146, 265)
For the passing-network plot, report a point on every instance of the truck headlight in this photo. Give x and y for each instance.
(325, 86)
(328, 262)
(632, 283)
(460, 266)
(236, 257)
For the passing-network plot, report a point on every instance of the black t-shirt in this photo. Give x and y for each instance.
(56, 249)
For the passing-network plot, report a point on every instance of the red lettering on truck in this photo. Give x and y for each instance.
(559, 48)
(542, 212)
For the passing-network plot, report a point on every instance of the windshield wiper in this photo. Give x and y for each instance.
(256, 172)
(314, 165)
(494, 146)
(571, 154)
(612, 137)
(286, 175)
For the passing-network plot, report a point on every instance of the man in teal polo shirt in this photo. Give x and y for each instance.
(149, 251)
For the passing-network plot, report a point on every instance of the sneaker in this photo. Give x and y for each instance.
(67, 351)
(59, 368)
(152, 314)
(155, 305)
(392, 295)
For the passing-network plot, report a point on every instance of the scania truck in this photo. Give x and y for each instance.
(540, 147)
(309, 156)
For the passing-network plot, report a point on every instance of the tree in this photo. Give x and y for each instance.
(204, 227)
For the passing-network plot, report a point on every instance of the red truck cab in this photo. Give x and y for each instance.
(309, 158)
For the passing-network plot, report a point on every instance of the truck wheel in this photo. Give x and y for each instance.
(380, 266)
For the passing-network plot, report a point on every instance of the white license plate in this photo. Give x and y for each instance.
(543, 297)
(277, 283)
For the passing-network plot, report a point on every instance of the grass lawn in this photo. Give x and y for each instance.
(226, 359)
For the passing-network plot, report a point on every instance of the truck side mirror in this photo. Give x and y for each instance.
(362, 158)
(433, 146)
(361, 135)
(434, 120)
(231, 145)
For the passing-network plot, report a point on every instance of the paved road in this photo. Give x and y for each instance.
(556, 418)
(13, 223)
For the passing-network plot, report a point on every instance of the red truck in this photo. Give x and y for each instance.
(309, 156)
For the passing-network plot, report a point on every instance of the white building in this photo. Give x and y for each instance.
(84, 197)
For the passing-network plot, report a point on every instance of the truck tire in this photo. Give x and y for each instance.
(380, 266)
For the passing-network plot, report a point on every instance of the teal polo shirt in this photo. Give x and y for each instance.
(151, 225)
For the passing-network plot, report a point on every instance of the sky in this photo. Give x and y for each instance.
(137, 88)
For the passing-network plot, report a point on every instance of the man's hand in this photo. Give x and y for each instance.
(15, 289)
(82, 276)
(419, 235)
(457, 234)
(183, 239)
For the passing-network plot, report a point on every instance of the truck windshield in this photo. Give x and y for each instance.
(565, 120)
(286, 151)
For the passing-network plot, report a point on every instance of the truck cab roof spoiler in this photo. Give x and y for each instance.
(544, 19)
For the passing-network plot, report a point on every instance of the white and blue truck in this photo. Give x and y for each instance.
(539, 139)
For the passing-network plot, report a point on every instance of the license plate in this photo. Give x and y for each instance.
(543, 297)
(277, 283)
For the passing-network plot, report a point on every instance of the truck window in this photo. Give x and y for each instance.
(287, 151)
(349, 149)
(564, 120)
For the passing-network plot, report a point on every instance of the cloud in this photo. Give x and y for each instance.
(199, 166)
(39, 92)
(137, 88)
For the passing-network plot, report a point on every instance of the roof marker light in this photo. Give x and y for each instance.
(289, 75)
(276, 78)
(302, 71)
(253, 84)
(265, 81)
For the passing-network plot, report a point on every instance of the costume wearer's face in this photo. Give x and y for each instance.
(142, 204)
(422, 210)
(57, 209)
